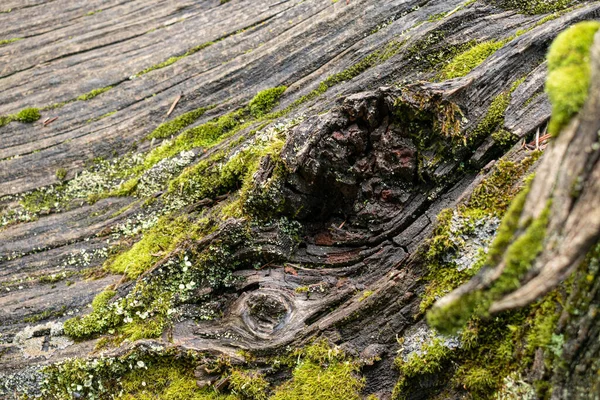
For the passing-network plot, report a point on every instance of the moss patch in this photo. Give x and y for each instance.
(172, 128)
(536, 6)
(8, 41)
(264, 101)
(99, 320)
(466, 61)
(322, 373)
(93, 93)
(139, 376)
(569, 72)
(159, 241)
(27, 115)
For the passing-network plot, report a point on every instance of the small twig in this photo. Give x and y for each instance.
(173, 105)
(265, 265)
(49, 121)
(342, 225)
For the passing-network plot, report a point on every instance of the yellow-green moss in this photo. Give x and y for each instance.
(61, 174)
(466, 61)
(569, 72)
(517, 254)
(365, 295)
(93, 93)
(432, 359)
(248, 385)
(537, 6)
(495, 193)
(174, 59)
(212, 132)
(166, 382)
(155, 243)
(8, 41)
(322, 373)
(99, 320)
(264, 101)
(27, 115)
(131, 377)
(172, 128)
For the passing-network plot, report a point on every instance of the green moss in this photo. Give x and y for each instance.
(166, 382)
(537, 6)
(494, 117)
(159, 241)
(172, 128)
(174, 59)
(517, 254)
(93, 93)
(504, 138)
(99, 320)
(61, 174)
(8, 41)
(28, 115)
(248, 385)
(44, 315)
(543, 323)
(432, 359)
(136, 376)
(438, 52)
(264, 101)
(496, 192)
(466, 61)
(208, 179)
(365, 295)
(322, 373)
(520, 255)
(569, 72)
(436, 17)
(212, 132)
(125, 189)
(38, 201)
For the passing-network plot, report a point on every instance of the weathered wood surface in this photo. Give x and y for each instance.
(67, 50)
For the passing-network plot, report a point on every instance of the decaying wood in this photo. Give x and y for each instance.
(355, 183)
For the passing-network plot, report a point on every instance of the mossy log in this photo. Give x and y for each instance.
(278, 168)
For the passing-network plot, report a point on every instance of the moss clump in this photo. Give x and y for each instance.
(172, 128)
(537, 6)
(322, 373)
(569, 72)
(139, 375)
(264, 101)
(504, 138)
(158, 242)
(212, 132)
(174, 59)
(489, 199)
(210, 178)
(93, 93)
(492, 123)
(517, 254)
(8, 41)
(61, 174)
(165, 381)
(248, 385)
(432, 359)
(498, 190)
(99, 320)
(28, 115)
(466, 61)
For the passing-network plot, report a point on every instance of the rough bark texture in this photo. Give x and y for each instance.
(366, 167)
